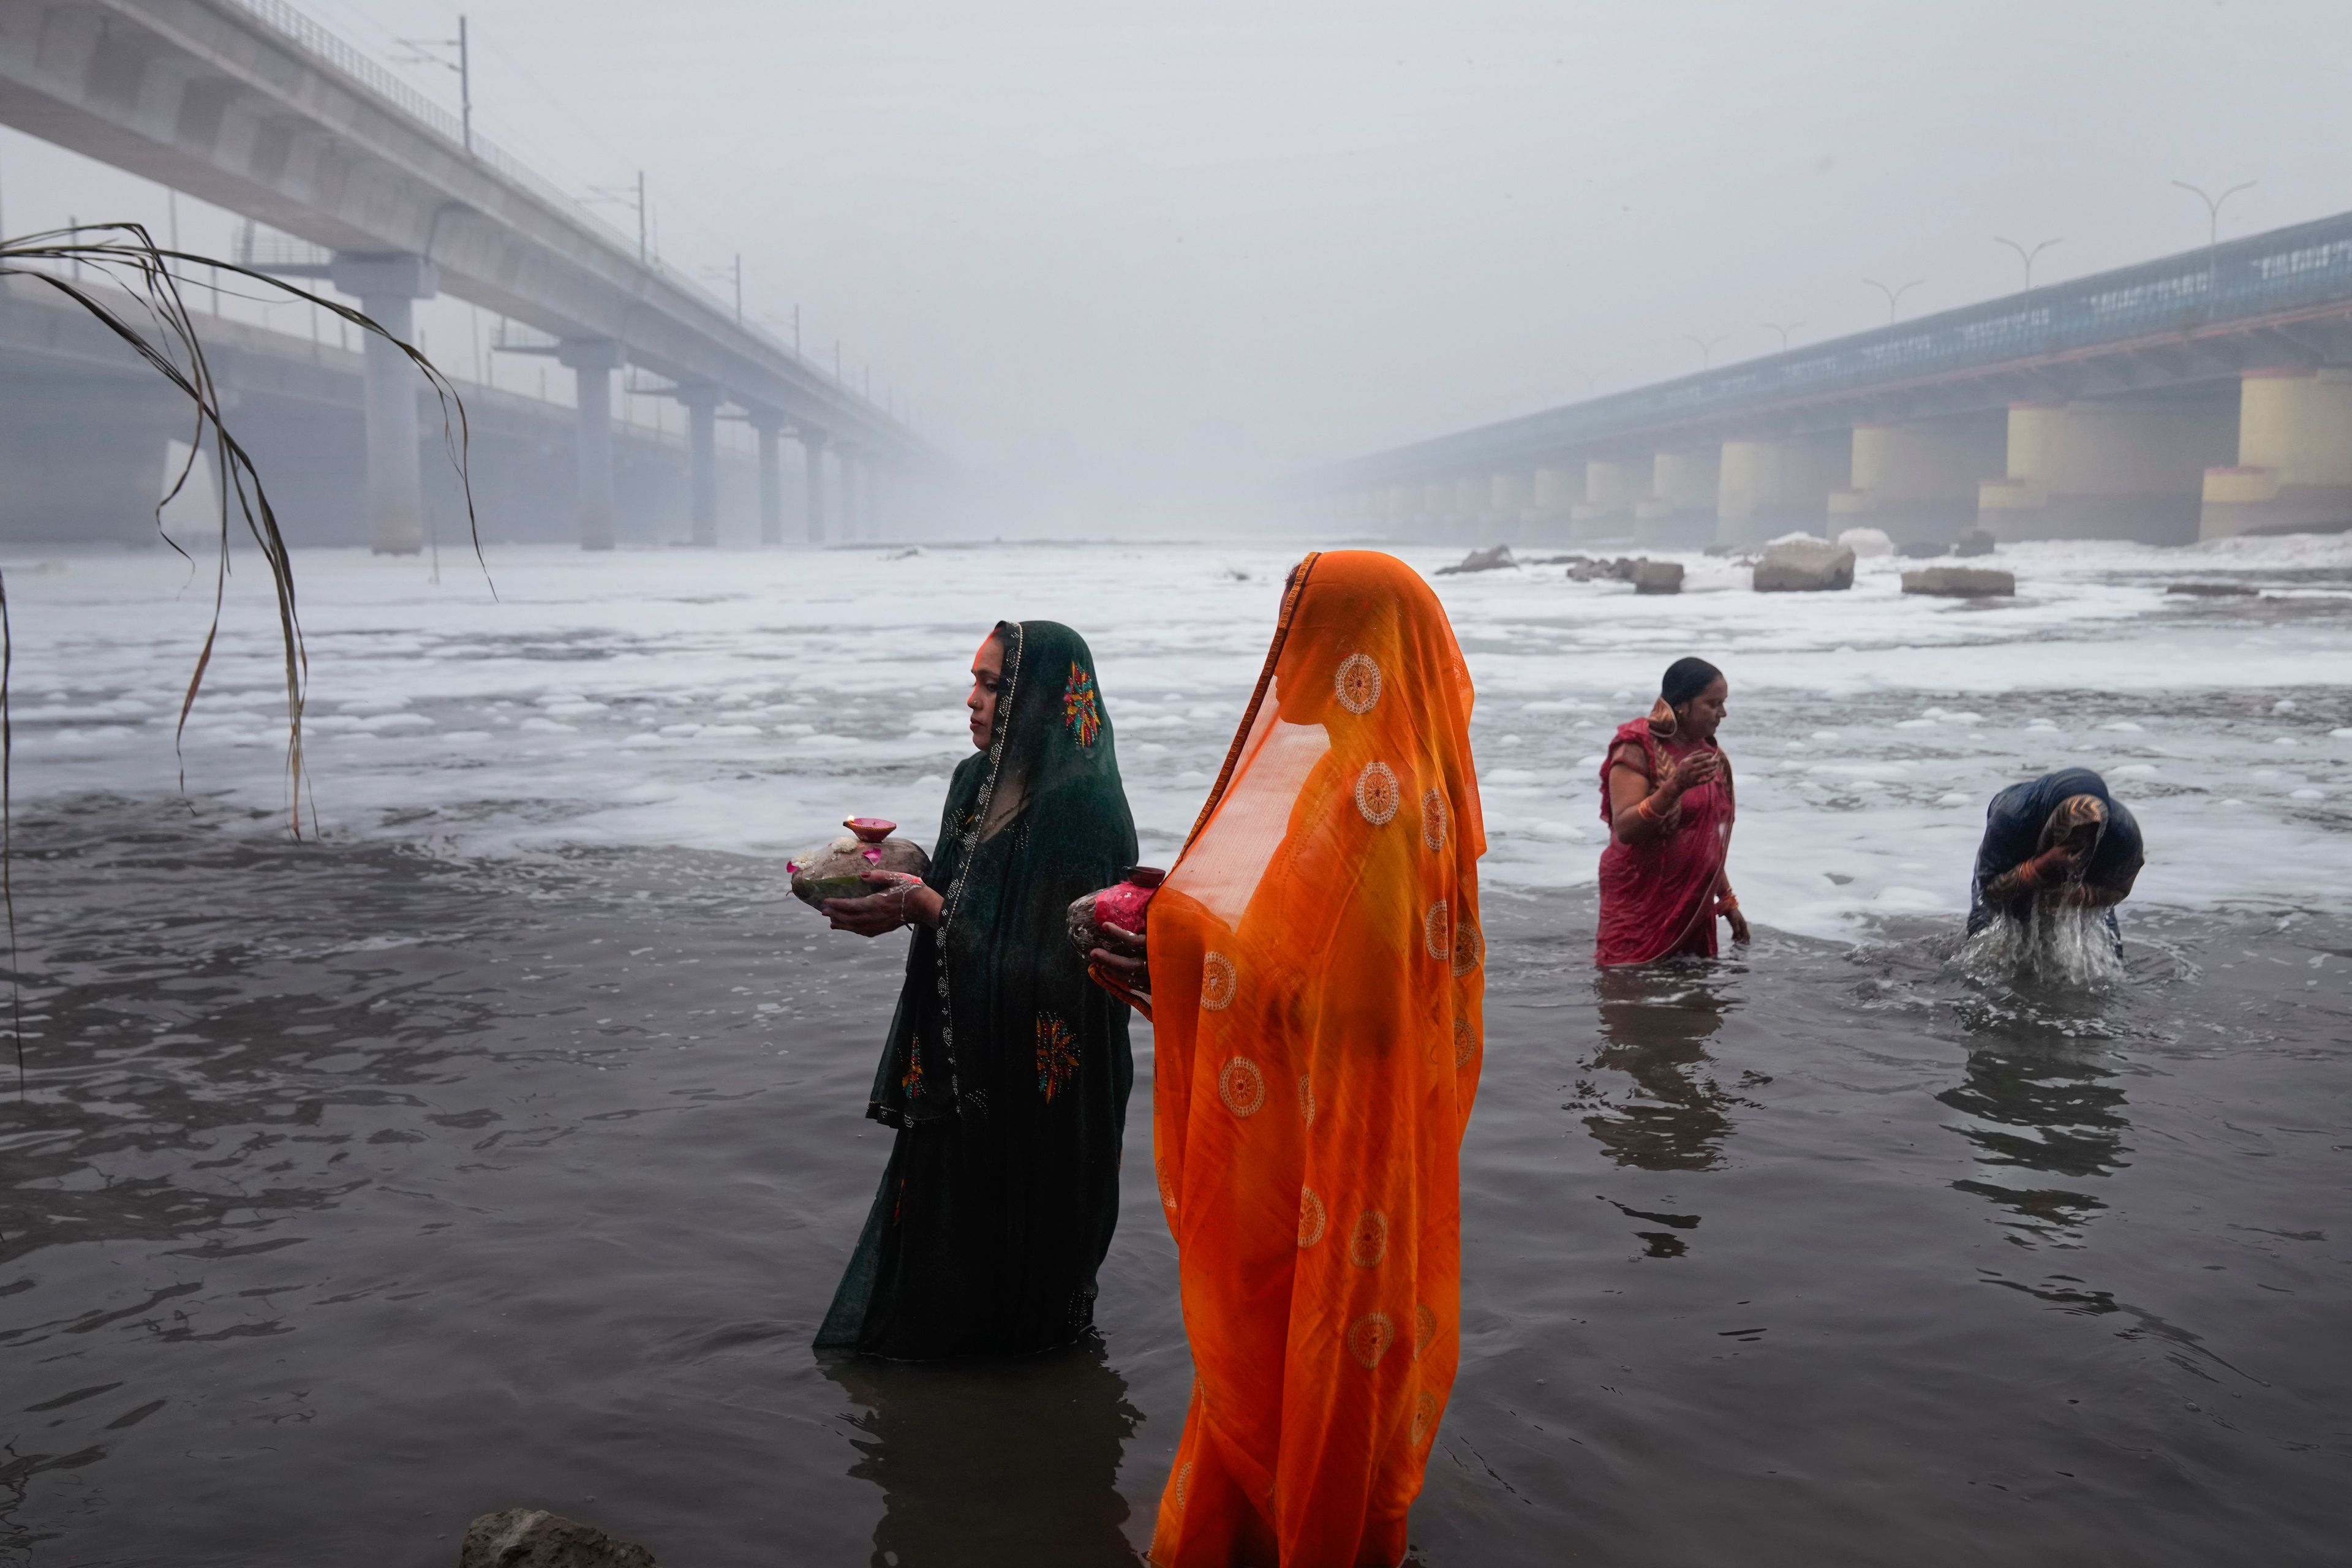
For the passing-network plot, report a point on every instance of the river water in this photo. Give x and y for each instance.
(502, 1147)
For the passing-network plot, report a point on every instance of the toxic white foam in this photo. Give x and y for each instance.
(748, 701)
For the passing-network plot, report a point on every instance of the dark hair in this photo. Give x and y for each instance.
(1685, 678)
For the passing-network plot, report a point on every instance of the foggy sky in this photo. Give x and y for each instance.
(1145, 246)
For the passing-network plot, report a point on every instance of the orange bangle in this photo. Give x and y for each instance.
(1641, 809)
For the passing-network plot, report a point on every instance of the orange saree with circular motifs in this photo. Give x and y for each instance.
(1317, 972)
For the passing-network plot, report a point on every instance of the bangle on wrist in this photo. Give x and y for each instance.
(1642, 809)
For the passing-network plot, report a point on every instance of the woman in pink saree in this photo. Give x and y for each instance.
(1666, 794)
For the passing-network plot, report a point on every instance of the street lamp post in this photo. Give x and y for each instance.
(2025, 256)
(1894, 296)
(1706, 346)
(2214, 229)
(2214, 206)
(1783, 331)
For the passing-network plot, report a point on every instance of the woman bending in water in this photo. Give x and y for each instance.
(2060, 841)
(1319, 974)
(1006, 1072)
(1666, 794)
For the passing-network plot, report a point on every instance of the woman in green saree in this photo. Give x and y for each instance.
(1006, 1072)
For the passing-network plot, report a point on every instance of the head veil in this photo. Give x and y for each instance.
(995, 999)
(1316, 970)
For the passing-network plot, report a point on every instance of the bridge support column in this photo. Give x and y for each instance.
(767, 431)
(1507, 495)
(592, 363)
(1681, 507)
(870, 494)
(1776, 487)
(701, 400)
(1469, 509)
(386, 288)
(2293, 472)
(813, 447)
(82, 459)
(2107, 469)
(1917, 483)
(846, 469)
(1554, 491)
(1611, 487)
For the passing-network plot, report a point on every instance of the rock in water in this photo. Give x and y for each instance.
(1975, 542)
(2214, 590)
(1867, 541)
(1960, 582)
(1481, 561)
(1923, 549)
(1657, 576)
(534, 1538)
(1804, 564)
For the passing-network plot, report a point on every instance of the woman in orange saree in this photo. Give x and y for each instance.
(1317, 966)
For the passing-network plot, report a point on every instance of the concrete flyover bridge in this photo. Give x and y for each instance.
(250, 105)
(2200, 396)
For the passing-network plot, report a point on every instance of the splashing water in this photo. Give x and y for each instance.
(2061, 947)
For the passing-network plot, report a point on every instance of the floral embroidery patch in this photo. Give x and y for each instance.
(1368, 1339)
(1432, 818)
(1241, 1086)
(1357, 683)
(1080, 710)
(1310, 1218)
(911, 1081)
(1057, 1055)
(1377, 795)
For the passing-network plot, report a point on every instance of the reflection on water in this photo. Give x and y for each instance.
(994, 1462)
(2052, 1111)
(2042, 1092)
(1655, 1023)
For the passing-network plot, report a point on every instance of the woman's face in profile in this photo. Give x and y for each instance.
(987, 680)
(1704, 714)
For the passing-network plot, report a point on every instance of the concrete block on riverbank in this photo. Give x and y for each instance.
(534, 1538)
(1657, 576)
(1804, 565)
(1961, 583)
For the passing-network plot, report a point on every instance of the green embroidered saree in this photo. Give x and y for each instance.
(1007, 1071)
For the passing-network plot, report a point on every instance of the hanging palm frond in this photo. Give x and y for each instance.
(150, 316)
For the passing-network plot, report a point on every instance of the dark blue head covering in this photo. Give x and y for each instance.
(2014, 823)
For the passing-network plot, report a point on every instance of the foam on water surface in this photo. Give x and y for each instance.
(746, 702)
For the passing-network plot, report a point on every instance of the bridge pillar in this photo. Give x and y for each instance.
(1555, 490)
(592, 363)
(767, 430)
(1470, 495)
(1611, 487)
(386, 288)
(1776, 487)
(1507, 495)
(2293, 472)
(813, 448)
(1918, 482)
(849, 469)
(83, 458)
(870, 494)
(1681, 506)
(701, 400)
(2107, 469)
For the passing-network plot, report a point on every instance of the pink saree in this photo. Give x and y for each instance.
(1658, 898)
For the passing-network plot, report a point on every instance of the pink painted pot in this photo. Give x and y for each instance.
(1126, 905)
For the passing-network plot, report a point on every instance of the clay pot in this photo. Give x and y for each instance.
(1126, 905)
(836, 869)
